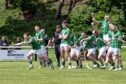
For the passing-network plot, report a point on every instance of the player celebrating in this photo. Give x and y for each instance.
(75, 52)
(101, 45)
(65, 44)
(36, 49)
(115, 45)
(40, 38)
(104, 26)
(90, 46)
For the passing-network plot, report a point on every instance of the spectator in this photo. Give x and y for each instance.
(3, 42)
(18, 40)
(57, 42)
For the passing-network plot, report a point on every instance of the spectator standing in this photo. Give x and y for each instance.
(57, 42)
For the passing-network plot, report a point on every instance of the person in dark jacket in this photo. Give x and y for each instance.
(57, 42)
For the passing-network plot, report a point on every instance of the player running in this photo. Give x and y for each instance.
(115, 45)
(101, 45)
(40, 38)
(90, 45)
(75, 52)
(36, 49)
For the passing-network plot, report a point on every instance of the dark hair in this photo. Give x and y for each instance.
(64, 21)
(38, 25)
(58, 26)
(27, 33)
(110, 22)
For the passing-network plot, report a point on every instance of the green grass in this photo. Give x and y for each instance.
(16, 73)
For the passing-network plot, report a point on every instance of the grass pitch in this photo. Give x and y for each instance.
(16, 73)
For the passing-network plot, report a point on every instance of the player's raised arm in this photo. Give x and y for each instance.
(94, 19)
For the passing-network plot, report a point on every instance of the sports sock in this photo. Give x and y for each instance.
(30, 62)
(77, 62)
(63, 63)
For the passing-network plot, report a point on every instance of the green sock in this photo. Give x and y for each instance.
(95, 63)
(112, 63)
(102, 64)
(63, 63)
(117, 66)
(69, 63)
(106, 64)
(30, 62)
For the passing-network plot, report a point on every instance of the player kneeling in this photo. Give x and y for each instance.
(36, 49)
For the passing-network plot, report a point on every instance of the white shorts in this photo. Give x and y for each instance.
(40, 52)
(110, 50)
(114, 51)
(75, 51)
(102, 52)
(62, 46)
(92, 50)
(106, 37)
(117, 51)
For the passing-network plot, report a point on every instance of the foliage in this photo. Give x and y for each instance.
(80, 19)
(13, 25)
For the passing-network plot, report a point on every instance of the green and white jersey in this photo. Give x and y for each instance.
(104, 27)
(90, 43)
(34, 44)
(73, 40)
(79, 40)
(39, 35)
(115, 35)
(66, 31)
(99, 42)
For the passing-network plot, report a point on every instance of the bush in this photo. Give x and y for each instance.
(13, 24)
(80, 19)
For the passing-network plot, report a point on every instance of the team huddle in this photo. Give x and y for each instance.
(107, 41)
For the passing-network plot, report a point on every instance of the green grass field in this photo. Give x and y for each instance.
(16, 73)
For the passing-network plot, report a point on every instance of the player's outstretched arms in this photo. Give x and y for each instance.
(18, 44)
(40, 40)
(122, 40)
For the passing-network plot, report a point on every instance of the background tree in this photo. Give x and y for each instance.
(9, 4)
(70, 3)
